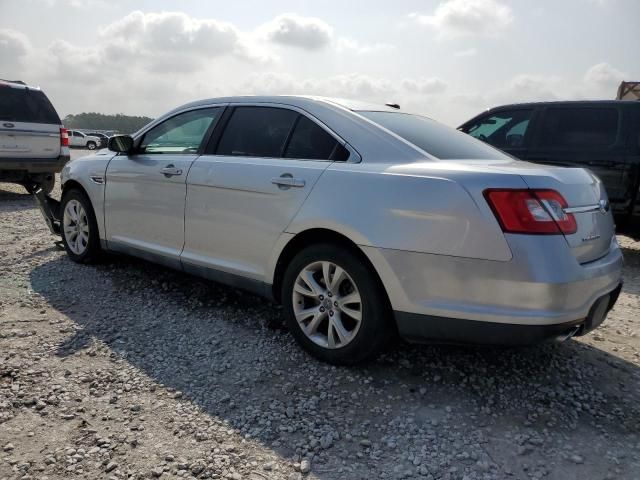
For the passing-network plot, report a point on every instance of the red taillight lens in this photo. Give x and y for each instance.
(64, 137)
(530, 211)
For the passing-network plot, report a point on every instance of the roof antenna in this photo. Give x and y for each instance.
(393, 105)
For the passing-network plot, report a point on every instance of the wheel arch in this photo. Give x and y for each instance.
(74, 184)
(314, 236)
(94, 197)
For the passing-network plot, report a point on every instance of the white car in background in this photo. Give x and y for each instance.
(82, 140)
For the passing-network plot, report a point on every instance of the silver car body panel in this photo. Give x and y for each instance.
(423, 223)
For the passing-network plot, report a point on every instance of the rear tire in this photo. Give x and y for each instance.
(79, 228)
(335, 305)
(46, 181)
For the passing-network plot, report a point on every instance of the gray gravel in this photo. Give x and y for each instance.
(129, 370)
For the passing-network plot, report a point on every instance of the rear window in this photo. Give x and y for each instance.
(434, 138)
(579, 127)
(309, 141)
(24, 105)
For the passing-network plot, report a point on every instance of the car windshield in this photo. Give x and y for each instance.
(434, 138)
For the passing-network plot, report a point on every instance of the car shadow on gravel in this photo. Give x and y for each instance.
(228, 353)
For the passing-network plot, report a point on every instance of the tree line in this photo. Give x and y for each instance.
(99, 121)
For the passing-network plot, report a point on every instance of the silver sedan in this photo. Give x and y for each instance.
(363, 221)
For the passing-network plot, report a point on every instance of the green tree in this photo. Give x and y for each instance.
(99, 121)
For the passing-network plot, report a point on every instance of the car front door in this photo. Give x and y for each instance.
(145, 190)
(584, 136)
(509, 130)
(242, 194)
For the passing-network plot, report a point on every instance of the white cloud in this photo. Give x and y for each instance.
(603, 77)
(469, 52)
(177, 35)
(354, 86)
(467, 17)
(293, 30)
(349, 44)
(14, 47)
(425, 86)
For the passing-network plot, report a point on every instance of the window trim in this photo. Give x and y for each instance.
(138, 137)
(212, 146)
(536, 141)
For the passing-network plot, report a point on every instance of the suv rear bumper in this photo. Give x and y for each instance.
(32, 165)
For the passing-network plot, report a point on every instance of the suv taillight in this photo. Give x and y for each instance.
(531, 211)
(64, 137)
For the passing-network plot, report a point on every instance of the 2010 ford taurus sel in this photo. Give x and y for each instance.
(363, 221)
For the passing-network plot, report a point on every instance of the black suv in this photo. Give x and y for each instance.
(603, 136)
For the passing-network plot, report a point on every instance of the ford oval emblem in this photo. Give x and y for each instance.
(604, 206)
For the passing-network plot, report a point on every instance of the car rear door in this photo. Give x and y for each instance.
(584, 135)
(508, 129)
(145, 191)
(244, 192)
(29, 125)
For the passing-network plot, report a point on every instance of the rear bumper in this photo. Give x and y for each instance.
(543, 289)
(425, 328)
(33, 165)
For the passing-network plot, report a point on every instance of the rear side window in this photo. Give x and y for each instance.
(433, 137)
(579, 127)
(257, 132)
(502, 129)
(310, 141)
(25, 105)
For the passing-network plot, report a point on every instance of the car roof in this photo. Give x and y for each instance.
(17, 84)
(295, 100)
(572, 103)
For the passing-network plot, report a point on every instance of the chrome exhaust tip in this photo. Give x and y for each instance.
(568, 334)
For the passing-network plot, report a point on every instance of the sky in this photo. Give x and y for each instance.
(448, 59)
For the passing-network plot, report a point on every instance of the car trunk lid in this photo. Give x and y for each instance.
(587, 202)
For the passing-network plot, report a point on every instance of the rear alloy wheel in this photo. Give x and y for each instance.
(335, 306)
(91, 145)
(79, 228)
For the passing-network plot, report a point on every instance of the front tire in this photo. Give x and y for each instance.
(79, 228)
(335, 306)
(91, 145)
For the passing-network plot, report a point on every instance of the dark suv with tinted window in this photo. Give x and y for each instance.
(603, 136)
(33, 142)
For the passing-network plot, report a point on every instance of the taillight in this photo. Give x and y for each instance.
(531, 211)
(64, 137)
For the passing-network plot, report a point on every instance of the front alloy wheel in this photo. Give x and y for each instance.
(76, 227)
(335, 305)
(79, 227)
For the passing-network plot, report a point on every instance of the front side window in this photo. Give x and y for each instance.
(502, 129)
(180, 134)
(434, 138)
(310, 141)
(257, 132)
(579, 127)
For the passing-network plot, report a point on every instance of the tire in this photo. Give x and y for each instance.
(46, 181)
(91, 145)
(361, 339)
(87, 248)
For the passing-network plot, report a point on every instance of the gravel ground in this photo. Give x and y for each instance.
(129, 370)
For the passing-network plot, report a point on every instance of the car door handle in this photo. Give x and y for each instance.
(287, 180)
(170, 171)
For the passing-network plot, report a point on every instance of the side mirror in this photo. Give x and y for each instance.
(121, 143)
